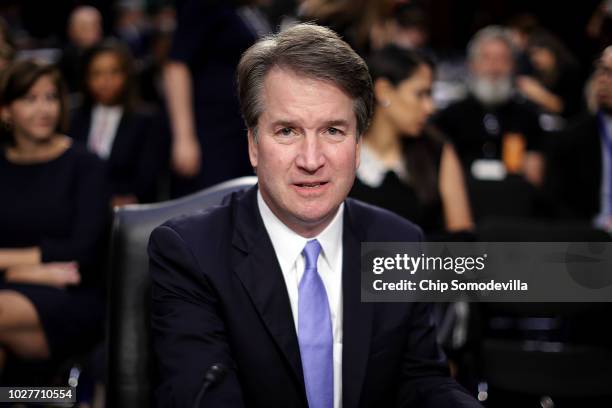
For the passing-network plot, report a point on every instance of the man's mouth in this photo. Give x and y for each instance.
(311, 185)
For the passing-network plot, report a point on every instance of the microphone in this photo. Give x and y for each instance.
(214, 375)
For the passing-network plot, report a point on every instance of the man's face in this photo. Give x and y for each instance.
(494, 61)
(306, 150)
(85, 28)
(491, 73)
(603, 81)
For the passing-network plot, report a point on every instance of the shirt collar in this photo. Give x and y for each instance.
(288, 245)
(113, 110)
(372, 170)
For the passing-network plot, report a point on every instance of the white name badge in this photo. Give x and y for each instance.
(488, 169)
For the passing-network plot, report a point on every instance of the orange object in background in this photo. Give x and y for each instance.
(513, 151)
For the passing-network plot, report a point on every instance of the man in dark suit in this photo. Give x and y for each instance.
(580, 168)
(268, 284)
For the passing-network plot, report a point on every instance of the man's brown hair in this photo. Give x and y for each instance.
(310, 50)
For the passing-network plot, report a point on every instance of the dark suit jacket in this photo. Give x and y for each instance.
(219, 296)
(137, 155)
(575, 169)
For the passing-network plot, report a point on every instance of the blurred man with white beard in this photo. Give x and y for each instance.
(492, 126)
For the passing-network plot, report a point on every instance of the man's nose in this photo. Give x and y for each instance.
(311, 156)
(496, 72)
(503, 69)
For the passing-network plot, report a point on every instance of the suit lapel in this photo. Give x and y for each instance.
(81, 125)
(120, 143)
(259, 271)
(357, 316)
(257, 268)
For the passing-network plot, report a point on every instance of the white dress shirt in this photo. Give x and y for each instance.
(288, 247)
(104, 123)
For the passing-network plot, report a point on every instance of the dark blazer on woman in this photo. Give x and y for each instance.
(137, 155)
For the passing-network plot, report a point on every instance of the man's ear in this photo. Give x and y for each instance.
(358, 152)
(252, 147)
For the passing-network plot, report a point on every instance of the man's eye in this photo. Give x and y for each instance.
(333, 131)
(287, 131)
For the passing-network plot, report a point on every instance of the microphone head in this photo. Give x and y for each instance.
(215, 373)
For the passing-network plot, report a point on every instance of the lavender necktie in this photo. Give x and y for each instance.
(315, 332)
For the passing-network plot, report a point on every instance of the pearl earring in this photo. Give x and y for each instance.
(385, 104)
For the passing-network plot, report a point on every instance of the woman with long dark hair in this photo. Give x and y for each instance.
(406, 165)
(114, 127)
(554, 85)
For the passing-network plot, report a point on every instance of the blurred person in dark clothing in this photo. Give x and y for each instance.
(599, 26)
(7, 54)
(54, 215)
(133, 28)
(116, 128)
(209, 143)
(84, 31)
(5, 34)
(352, 19)
(555, 84)
(406, 166)
(520, 27)
(7, 46)
(581, 161)
(491, 123)
(406, 27)
(159, 39)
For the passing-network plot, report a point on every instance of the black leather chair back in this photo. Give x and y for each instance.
(130, 366)
(527, 363)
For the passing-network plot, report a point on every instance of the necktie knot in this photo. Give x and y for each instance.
(311, 252)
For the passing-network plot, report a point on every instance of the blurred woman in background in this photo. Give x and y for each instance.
(54, 215)
(114, 128)
(555, 84)
(208, 136)
(406, 166)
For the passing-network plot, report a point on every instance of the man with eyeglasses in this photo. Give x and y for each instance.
(581, 163)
